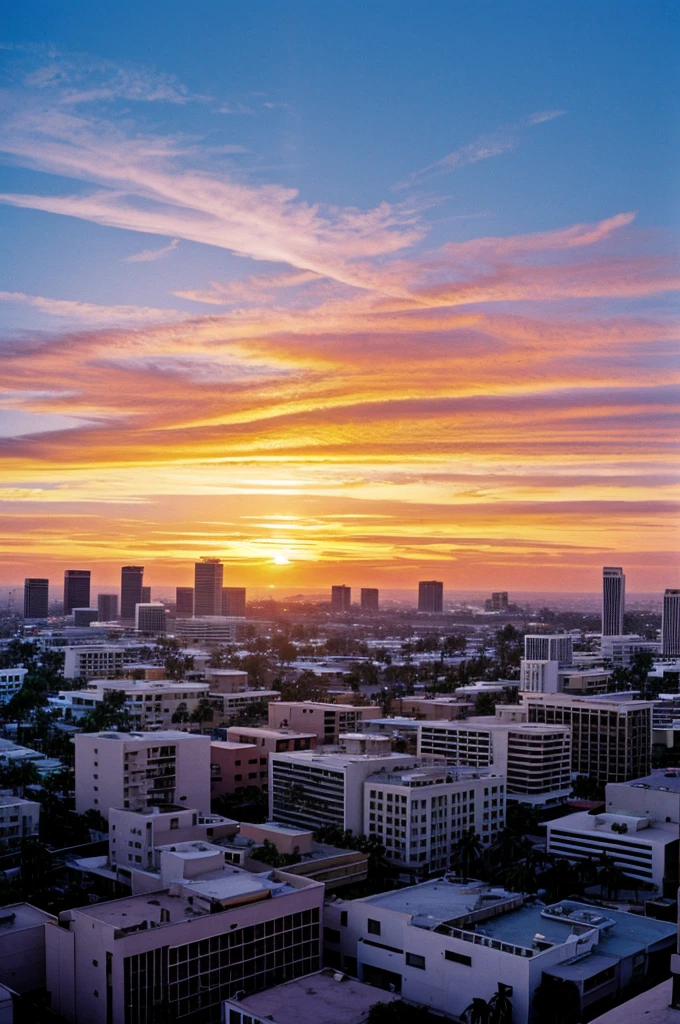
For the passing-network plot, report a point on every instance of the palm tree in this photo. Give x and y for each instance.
(478, 1012)
(203, 712)
(468, 849)
(609, 876)
(501, 1007)
(180, 715)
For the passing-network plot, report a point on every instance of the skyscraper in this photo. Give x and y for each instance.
(234, 601)
(146, 595)
(108, 607)
(370, 599)
(208, 575)
(76, 589)
(613, 600)
(184, 601)
(341, 598)
(131, 577)
(36, 593)
(670, 625)
(430, 596)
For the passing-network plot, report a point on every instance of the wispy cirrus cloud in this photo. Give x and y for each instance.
(89, 312)
(489, 144)
(150, 255)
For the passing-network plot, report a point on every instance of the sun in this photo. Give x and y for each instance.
(280, 558)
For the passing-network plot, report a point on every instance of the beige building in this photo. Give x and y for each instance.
(327, 721)
(272, 741)
(431, 708)
(611, 735)
(141, 770)
(179, 952)
(150, 704)
(18, 818)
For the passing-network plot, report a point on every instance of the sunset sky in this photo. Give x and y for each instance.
(357, 293)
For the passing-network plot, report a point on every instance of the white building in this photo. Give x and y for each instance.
(229, 706)
(141, 770)
(92, 662)
(11, 681)
(535, 760)
(620, 650)
(444, 942)
(670, 625)
(548, 677)
(216, 629)
(638, 829)
(18, 818)
(309, 789)
(419, 813)
(549, 647)
(151, 704)
(181, 951)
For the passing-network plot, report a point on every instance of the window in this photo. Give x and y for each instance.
(343, 918)
(458, 958)
(373, 927)
(414, 960)
(331, 935)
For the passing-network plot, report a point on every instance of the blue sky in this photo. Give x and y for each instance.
(333, 216)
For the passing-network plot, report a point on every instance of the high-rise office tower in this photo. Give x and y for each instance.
(670, 625)
(370, 599)
(613, 600)
(76, 589)
(234, 601)
(36, 594)
(208, 575)
(499, 601)
(146, 595)
(430, 596)
(184, 601)
(341, 598)
(107, 605)
(131, 577)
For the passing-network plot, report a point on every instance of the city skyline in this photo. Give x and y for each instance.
(399, 314)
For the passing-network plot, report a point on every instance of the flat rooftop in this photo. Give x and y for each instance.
(163, 735)
(437, 900)
(659, 832)
(315, 997)
(665, 780)
(17, 916)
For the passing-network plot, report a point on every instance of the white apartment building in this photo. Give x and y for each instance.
(535, 760)
(151, 703)
(11, 681)
(137, 770)
(611, 734)
(326, 720)
(638, 829)
(620, 650)
(548, 677)
(309, 789)
(447, 941)
(93, 662)
(18, 818)
(179, 952)
(419, 813)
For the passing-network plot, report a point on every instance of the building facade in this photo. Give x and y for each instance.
(36, 598)
(341, 598)
(430, 596)
(234, 602)
(11, 681)
(131, 581)
(327, 721)
(613, 600)
(549, 647)
(670, 625)
(184, 601)
(208, 575)
(76, 589)
(141, 770)
(107, 606)
(370, 599)
(150, 618)
(92, 662)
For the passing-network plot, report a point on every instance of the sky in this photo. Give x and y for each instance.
(359, 293)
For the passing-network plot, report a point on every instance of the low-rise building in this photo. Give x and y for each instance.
(22, 947)
(326, 721)
(11, 681)
(325, 997)
(210, 629)
(432, 708)
(137, 770)
(182, 951)
(229, 706)
(93, 662)
(226, 680)
(19, 818)
(445, 942)
(234, 766)
(621, 650)
(273, 741)
(150, 703)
